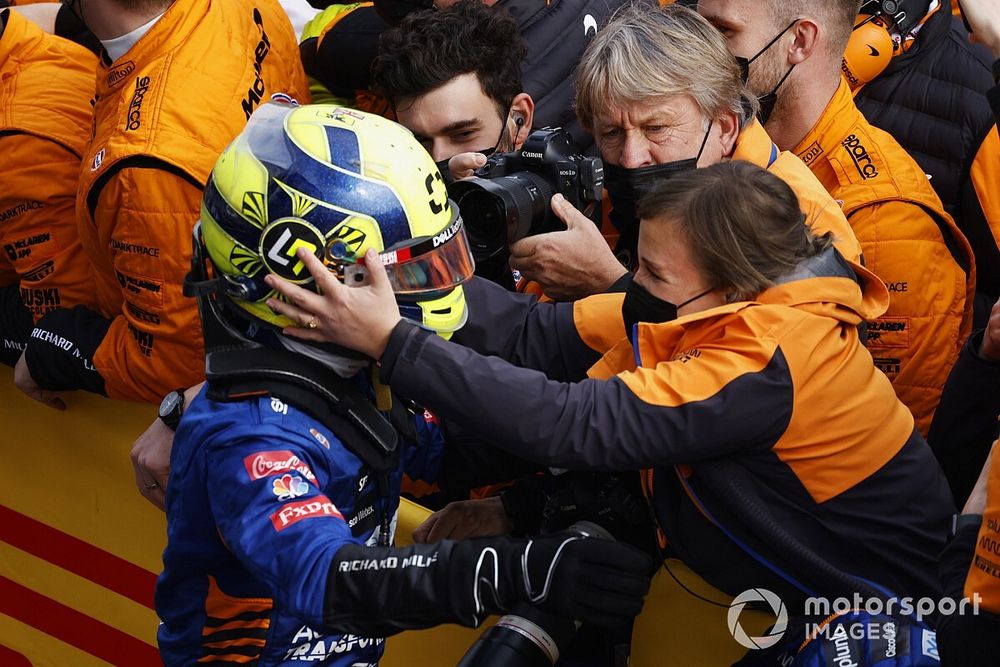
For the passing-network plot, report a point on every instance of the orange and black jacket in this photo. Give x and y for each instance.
(908, 241)
(46, 84)
(781, 386)
(164, 111)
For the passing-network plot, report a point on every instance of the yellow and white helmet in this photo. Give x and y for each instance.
(338, 182)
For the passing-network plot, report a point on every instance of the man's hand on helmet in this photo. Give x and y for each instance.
(360, 317)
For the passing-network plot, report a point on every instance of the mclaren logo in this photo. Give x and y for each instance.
(256, 91)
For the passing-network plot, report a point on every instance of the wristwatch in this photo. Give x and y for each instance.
(172, 408)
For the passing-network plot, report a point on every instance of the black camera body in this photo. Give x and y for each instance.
(510, 197)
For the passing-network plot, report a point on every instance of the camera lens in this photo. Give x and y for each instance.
(500, 211)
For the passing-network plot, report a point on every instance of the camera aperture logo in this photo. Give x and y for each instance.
(757, 596)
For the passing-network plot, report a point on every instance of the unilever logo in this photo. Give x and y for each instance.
(757, 595)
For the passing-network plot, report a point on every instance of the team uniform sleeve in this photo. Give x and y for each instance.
(638, 419)
(520, 329)
(41, 264)
(283, 528)
(153, 344)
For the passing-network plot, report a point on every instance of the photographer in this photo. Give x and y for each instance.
(715, 373)
(661, 94)
(338, 50)
(286, 467)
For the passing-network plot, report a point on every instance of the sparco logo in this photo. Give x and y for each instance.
(859, 154)
(263, 464)
(120, 73)
(135, 106)
(255, 91)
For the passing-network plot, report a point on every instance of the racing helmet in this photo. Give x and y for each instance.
(338, 182)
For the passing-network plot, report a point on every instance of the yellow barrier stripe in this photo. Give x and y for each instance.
(43, 650)
(81, 594)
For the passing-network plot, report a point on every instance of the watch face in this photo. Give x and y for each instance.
(170, 403)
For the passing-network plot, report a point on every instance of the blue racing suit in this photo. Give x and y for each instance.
(261, 497)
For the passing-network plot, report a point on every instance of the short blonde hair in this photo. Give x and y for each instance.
(646, 54)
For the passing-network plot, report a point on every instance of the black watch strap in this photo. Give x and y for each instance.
(172, 408)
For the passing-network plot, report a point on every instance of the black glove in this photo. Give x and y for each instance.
(378, 591)
(598, 582)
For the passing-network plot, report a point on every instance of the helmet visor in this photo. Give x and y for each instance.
(430, 267)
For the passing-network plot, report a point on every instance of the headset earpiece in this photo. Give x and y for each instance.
(868, 52)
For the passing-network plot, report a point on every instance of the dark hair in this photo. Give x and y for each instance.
(430, 48)
(743, 224)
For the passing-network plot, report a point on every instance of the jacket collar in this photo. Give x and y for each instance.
(826, 284)
(755, 146)
(171, 30)
(840, 115)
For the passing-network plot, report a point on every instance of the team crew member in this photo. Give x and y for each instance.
(556, 32)
(176, 82)
(928, 94)
(661, 94)
(908, 239)
(453, 77)
(42, 266)
(737, 335)
(281, 505)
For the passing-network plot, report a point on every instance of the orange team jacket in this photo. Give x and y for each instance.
(779, 387)
(164, 112)
(46, 84)
(908, 241)
(754, 145)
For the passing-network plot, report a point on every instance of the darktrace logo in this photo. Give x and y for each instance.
(859, 154)
(256, 91)
(120, 73)
(15, 211)
(134, 119)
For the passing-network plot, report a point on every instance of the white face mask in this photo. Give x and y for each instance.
(342, 366)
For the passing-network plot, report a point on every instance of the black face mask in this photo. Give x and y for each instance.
(627, 186)
(394, 11)
(767, 101)
(641, 306)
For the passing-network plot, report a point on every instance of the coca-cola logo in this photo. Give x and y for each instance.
(265, 464)
(292, 513)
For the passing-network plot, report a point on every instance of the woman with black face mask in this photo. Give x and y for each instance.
(741, 355)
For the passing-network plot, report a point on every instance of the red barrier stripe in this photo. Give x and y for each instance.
(74, 628)
(79, 557)
(11, 658)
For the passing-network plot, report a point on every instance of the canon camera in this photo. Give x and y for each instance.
(509, 199)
